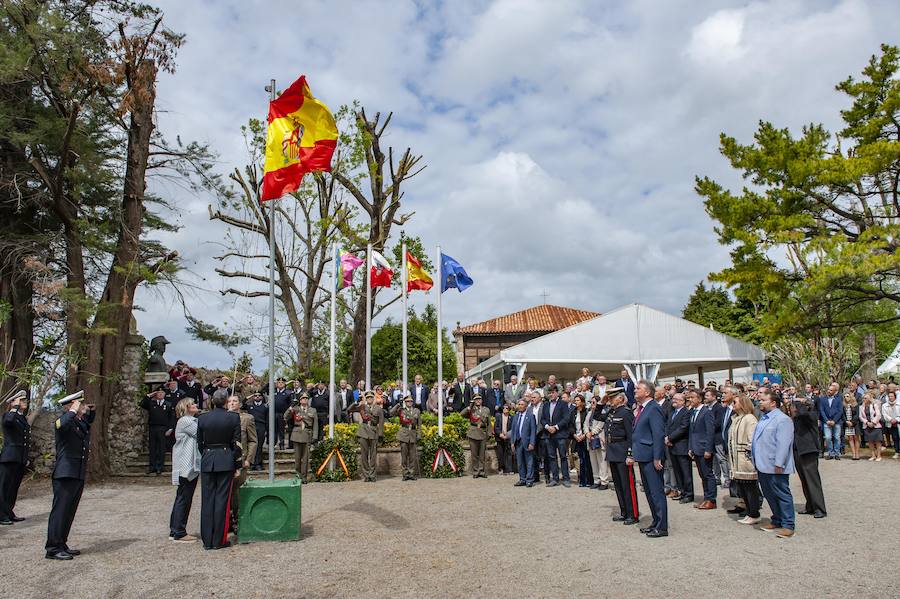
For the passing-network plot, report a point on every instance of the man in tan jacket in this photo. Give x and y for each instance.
(408, 435)
(479, 427)
(371, 419)
(248, 450)
(306, 425)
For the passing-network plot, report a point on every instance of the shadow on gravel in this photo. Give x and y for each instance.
(107, 546)
(33, 520)
(306, 531)
(386, 518)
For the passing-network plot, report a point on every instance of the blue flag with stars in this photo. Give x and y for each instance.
(453, 275)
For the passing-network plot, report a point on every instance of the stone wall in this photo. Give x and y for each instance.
(127, 424)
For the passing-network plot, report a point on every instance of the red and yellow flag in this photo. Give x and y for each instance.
(416, 277)
(301, 139)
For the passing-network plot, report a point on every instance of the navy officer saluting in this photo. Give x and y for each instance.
(16, 435)
(73, 438)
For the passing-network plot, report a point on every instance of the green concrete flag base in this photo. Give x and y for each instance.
(269, 510)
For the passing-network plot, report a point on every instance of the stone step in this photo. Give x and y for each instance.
(279, 472)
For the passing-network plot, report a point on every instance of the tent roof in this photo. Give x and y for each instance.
(892, 363)
(632, 334)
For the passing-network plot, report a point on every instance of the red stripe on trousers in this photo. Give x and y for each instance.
(228, 511)
(634, 503)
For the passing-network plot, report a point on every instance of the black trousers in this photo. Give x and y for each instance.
(707, 476)
(66, 497)
(542, 459)
(279, 430)
(585, 474)
(157, 448)
(748, 491)
(10, 479)
(684, 477)
(262, 432)
(504, 456)
(808, 470)
(626, 491)
(215, 507)
(184, 496)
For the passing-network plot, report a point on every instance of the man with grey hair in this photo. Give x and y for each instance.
(649, 451)
(723, 425)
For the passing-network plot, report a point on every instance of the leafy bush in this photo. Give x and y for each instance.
(428, 448)
(343, 431)
(454, 421)
(390, 433)
(349, 451)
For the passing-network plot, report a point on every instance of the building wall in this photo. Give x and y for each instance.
(471, 350)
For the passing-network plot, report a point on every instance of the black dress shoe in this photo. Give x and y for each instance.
(520, 483)
(655, 534)
(603, 487)
(647, 529)
(566, 484)
(73, 551)
(553, 483)
(60, 555)
(6, 522)
(17, 519)
(618, 518)
(686, 499)
(804, 512)
(629, 521)
(819, 515)
(529, 485)
(595, 486)
(736, 510)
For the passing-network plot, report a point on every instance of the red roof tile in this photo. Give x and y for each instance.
(545, 318)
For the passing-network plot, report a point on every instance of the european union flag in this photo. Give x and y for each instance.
(453, 275)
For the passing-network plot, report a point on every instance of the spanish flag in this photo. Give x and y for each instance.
(416, 277)
(301, 139)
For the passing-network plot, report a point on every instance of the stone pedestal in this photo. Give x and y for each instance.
(127, 427)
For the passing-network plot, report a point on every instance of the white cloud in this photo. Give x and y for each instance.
(717, 39)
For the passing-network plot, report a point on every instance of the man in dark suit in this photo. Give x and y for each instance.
(523, 439)
(677, 433)
(702, 448)
(319, 400)
(831, 414)
(16, 438)
(73, 439)
(219, 443)
(460, 394)
(496, 398)
(502, 430)
(725, 410)
(189, 387)
(419, 392)
(806, 456)
(555, 420)
(257, 407)
(617, 432)
(627, 386)
(160, 426)
(648, 449)
(536, 410)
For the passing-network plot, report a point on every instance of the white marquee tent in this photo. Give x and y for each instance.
(892, 364)
(647, 342)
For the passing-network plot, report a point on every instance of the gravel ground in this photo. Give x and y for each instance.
(462, 538)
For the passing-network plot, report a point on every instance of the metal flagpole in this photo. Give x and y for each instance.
(440, 339)
(271, 90)
(368, 317)
(403, 278)
(334, 283)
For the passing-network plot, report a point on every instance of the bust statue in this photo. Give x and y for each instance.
(157, 363)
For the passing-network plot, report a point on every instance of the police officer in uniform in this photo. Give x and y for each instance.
(371, 416)
(283, 397)
(16, 435)
(408, 435)
(257, 407)
(619, 425)
(306, 423)
(479, 425)
(160, 426)
(248, 450)
(219, 442)
(73, 437)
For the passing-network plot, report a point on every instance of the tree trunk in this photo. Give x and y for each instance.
(867, 357)
(17, 332)
(101, 373)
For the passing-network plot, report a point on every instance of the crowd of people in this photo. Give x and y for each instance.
(746, 439)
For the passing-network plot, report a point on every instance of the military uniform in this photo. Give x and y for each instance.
(259, 409)
(161, 420)
(73, 438)
(306, 424)
(372, 418)
(283, 399)
(218, 439)
(619, 425)
(408, 436)
(16, 438)
(479, 425)
(248, 450)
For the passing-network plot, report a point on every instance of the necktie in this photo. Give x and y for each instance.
(693, 415)
(640, 411)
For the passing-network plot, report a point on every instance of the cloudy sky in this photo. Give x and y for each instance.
(561, 137)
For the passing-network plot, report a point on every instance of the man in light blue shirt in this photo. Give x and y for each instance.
(773, 457)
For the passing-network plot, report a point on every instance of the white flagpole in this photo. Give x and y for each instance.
(403, 279)
(334, 283)
(271, 91)
(368, 317)
(440, 338)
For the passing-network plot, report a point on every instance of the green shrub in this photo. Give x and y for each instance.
(454, 421)
(428, 448)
